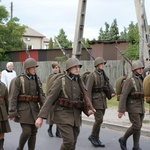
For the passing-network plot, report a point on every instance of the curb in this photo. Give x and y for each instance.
(116, 127)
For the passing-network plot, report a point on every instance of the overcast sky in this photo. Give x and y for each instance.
(49, 16)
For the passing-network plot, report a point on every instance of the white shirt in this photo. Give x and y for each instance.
(7, 76)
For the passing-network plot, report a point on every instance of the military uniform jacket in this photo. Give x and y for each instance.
(25, 112)
(98, 99)
(3, 102)
(62, 114)
(126, 102)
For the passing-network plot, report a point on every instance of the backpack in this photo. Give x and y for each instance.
(119, 85)
(84, 76)
(51, 81)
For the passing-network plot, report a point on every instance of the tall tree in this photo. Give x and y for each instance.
(50, 46)
(62, 38)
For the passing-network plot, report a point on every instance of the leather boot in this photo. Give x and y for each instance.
(50, 133)
(18, 149)
(93, 140)
(1, 144)
(58, 133)
(136, 148)
(122, 143)
(100, 143)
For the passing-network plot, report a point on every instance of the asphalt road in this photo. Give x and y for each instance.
(108, 136)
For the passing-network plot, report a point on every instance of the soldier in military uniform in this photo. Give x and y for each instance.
(4, 124)
(55, 70)
(66, 96)
(132, 101)
(97, 86)
(25, 100)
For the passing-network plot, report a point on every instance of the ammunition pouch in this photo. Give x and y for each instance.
(69, 103)
(1, 99)
(137, 95)
(27, 98)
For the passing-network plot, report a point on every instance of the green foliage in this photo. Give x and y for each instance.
(3, 14)
(61, 58)
(62, 39)
(50, 46)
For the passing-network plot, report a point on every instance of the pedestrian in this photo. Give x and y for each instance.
(66, 96)
(8, 74)
(4, 123)
(132, 101)
(55, 70)
(97, 85)
(25, 100)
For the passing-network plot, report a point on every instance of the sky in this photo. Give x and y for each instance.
(49, 16)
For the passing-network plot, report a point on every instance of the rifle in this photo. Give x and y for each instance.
(126, 58)
(63, 51)
(89, 52)
(81, 84)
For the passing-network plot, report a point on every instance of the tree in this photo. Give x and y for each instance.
(50, 46)
(123, 34)
(10, 33)
(62, 39)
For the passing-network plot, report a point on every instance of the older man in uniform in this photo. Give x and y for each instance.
(98, 89)
(132, 101)
(66, 96)
(25, 98)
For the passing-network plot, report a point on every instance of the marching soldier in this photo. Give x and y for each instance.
(55, 70)
(66, 96)
(4, 124)
(25, 100)
(132, 101)
(98, 89)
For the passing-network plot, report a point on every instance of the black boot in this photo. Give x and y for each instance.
(58, 133)
(1, 144)
(50, 133)
(100, 143)
(136, 148)
(122, 143)
(93, 140)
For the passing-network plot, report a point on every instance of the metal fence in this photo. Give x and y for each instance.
(113, 69)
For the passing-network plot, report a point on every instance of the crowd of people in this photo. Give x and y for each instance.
(23, 100)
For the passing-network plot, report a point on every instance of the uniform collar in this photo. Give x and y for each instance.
(30, 76)
(72, 77)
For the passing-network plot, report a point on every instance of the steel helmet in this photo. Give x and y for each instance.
(30, 62)
(99, 60)
(71, 62)
(136, 65)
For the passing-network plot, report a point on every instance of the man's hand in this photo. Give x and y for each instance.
(120, 114)
(39, 122)
(90, 112)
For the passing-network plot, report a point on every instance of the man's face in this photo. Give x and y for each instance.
(101, 66)
(139, 70)
(32, 70)
(10, 67)
(75, 70)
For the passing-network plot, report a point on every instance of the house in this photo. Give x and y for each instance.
(34, 39)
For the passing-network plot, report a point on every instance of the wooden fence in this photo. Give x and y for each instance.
(113, 69)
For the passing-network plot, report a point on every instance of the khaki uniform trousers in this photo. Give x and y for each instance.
(69, 134)
(28, 134)
(99, 114)
(135, 129)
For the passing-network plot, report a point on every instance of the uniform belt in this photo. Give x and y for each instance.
(1, 99)
(27, 98)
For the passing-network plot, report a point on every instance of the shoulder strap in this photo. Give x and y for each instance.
(134, 84)
(96, 81)
(22, 84)
(63, 87)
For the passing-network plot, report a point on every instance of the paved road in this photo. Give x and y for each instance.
(44, 142)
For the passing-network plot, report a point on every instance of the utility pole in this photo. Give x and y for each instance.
(77, 46)
(144, 51)
(11, 10)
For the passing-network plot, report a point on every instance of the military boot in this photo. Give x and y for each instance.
(93, 140)
(50, 133)
(136, 148)
(58, 133)
(122, 143)
(100, 143)
(1, 144)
